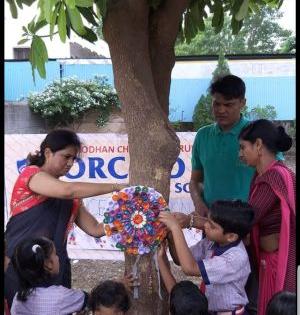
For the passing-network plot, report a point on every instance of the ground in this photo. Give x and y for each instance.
(88, 273)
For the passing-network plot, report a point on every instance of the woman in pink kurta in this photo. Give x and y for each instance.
(272, 194)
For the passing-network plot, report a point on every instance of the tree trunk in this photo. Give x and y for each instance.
(142, 81)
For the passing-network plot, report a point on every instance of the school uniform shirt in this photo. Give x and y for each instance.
(52, 300)
(224, 270)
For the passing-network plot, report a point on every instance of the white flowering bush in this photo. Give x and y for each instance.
(66, 101)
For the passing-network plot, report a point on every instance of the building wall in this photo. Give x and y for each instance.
(268, 82)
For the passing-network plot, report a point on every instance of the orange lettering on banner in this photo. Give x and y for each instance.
(122, 149)
(97, 149)
(185, 147)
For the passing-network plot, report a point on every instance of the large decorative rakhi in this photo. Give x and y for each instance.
(131, 219)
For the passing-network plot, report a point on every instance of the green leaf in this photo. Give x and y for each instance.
(218, 13)
(254, 7)
(39, 25)
(76, 21)
(241, 14)
(13, 8)
(70, 4)
(190, 29)
(39, 55)
(54, 18)
(219, 27)
(84, 3)
(236, 25)
(28, 2)
(90, 35)
(88, 15)
(201, 25)
(30, 25)
(102, 6)
(47, 6)
(24, 29)
(32, 61)
(23, 41)
(19, 3)
(62, 31)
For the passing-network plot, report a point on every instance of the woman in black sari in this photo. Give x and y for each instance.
(43, 205)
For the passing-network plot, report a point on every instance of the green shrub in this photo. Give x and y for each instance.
(66, 101)
(261, 112)
(202, 115)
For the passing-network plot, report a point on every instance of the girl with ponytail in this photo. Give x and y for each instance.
(36, 262)
(272, 195)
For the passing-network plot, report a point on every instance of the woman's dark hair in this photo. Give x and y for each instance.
(109, 294)
(56, 140)
(274, 138)
(186, 298)
(282, 303)
(234, 216)
(28, 261)
(230, 86)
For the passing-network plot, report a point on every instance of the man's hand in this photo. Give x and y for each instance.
(201, 209)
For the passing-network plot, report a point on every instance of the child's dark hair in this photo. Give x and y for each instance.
(274, 138)
(56, 140)
(186, 298)
(230, 86)
(28, 261)
(234, 216)
(109, 294)
(282, 303)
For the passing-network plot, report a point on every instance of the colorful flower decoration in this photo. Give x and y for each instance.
(131, 219)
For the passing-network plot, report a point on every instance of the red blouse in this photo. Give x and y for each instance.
(22, 197)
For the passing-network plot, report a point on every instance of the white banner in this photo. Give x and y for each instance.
(104, 158)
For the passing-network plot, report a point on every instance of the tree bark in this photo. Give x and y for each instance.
(137, 39)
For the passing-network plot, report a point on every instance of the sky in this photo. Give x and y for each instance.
(288, 20)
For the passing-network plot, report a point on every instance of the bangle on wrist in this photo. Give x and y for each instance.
(191, 222)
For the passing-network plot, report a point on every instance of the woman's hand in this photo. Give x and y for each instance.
(169, 220)
(182, 219)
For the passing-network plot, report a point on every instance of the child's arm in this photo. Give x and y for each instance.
(186, 259)
(164, 268)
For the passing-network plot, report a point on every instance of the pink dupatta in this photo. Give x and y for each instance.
(287, 204)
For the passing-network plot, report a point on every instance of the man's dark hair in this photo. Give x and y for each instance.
(230, 86)
(234, 216)
(282, 303)
(186, 298)
(109, 294)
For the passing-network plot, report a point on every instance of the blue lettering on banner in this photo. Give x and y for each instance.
(96, 168)
(81, 170)
(179, 187)
(181, 168)
(111, 167)
(96, 164)
(21, 164)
